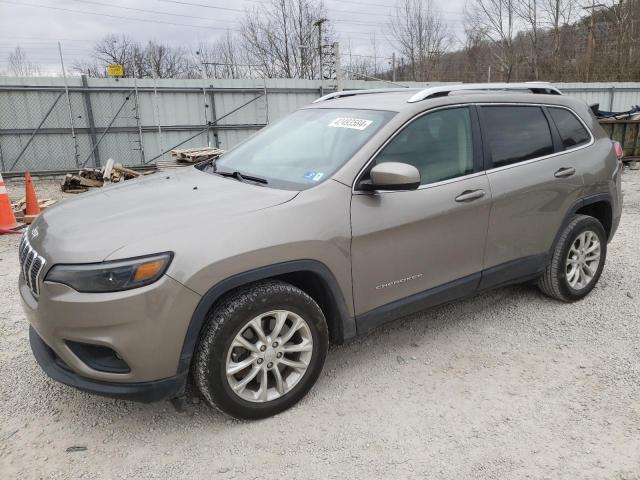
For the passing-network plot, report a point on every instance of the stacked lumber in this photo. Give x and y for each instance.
(19, 209)
(96, 177)
(196, 155)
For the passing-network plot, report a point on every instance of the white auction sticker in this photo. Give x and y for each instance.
(355, 123)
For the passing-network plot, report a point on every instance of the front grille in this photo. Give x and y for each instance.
(31, 264)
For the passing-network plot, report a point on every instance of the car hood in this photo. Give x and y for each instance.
(92, 226)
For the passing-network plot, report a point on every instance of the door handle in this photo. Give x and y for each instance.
(470, 195)
(565, 172)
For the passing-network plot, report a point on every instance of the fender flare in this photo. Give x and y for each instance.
(345, 323)
(583, 202)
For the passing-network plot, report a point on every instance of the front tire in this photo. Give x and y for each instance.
(261, 351)
(577, 260)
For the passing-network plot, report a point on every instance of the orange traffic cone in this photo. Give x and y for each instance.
(32, 208)
(7, 218)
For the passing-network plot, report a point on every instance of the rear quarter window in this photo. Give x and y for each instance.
(571, 130)
(516, 133)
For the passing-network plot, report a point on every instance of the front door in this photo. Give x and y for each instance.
(414, 248)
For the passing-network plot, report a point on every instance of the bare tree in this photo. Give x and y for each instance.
(223, 58)
(19, 64)
(90, 68)
(280, 37)
(528, 12)
(120, 50)
(154, 60)
(496, 21)
(162, 61)
(556, 15)
(421, 35)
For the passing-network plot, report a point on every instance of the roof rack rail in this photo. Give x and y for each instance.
(444, 90)
(349, 93)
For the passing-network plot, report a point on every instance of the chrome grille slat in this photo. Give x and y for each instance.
(31, 265)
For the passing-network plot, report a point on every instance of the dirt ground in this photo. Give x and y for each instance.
(505, 385)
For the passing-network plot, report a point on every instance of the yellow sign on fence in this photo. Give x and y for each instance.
(115, 70)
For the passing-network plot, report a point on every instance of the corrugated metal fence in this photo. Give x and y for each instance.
(47, 127)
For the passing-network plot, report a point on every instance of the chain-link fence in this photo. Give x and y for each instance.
(50, 128)
(46, 126)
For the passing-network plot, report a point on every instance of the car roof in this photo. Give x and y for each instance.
(398, 100)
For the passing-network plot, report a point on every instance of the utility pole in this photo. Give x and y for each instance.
(318, 23)
(303, 59)
(393, 66)
(338, 66)
(591, 39)
(66, 89)
(203, 67)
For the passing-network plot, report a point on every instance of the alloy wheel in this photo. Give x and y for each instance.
(269, 356)
(583, 260)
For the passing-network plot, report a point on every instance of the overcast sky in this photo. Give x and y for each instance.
(36, 25)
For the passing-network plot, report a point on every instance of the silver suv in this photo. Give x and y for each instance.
(358, 209)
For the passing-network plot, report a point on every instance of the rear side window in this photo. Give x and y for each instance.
(516, 133)
(571, 130)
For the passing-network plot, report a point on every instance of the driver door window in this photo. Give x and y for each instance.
(438, 144)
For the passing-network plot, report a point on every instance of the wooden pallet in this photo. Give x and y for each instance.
(195, 155)
(95, 178)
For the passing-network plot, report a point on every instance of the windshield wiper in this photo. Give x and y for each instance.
(242, 177)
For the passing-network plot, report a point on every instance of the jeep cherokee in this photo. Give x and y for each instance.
(360, 208)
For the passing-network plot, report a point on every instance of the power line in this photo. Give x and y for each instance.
(198, 17)
(191, 4)
(261, 2)
(146, 20)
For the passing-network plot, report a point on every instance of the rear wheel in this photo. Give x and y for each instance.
(577, 261)
(262, 350)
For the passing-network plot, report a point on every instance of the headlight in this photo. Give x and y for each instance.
(111, 276)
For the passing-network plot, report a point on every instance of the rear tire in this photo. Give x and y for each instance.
(577, 260)
(261, 351)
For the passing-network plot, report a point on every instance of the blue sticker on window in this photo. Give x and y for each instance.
(314, 176)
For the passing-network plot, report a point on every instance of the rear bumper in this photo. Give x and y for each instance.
(55, 368)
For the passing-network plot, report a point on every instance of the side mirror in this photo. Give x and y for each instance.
(392, 176)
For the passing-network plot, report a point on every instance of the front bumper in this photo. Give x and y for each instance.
(55, 368)
(144, 328)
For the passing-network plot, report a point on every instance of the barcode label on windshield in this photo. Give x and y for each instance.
(355, 123)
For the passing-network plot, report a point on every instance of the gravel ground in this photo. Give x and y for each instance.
(508, 384)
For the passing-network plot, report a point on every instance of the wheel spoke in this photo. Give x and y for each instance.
(571, 276)
(240, 386)
(595, 246)
(256, 326)
(296, 365)
(294, 328)
(281, 317)
(281, 386)
(299, 347)
(240, 341)
(235, 367)
(263, 379)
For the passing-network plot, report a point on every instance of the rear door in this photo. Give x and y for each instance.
(405, 243)
(535, 178)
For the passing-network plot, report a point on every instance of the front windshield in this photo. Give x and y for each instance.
(304, 148)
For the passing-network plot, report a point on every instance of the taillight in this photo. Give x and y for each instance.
(618, 148)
